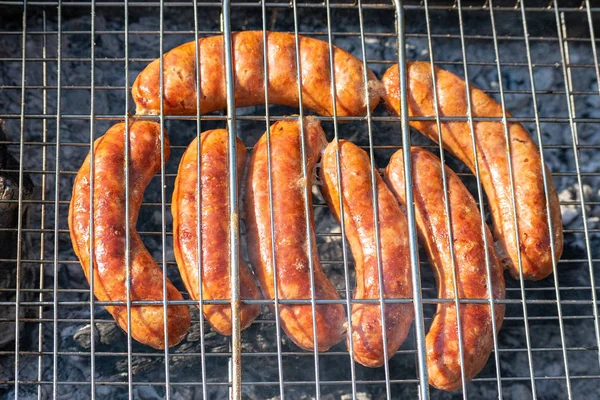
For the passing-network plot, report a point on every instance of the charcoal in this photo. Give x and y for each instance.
(9, 215)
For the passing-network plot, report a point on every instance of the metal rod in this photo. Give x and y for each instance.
(340, 382)
(127, 156)
(234, 233)
(383, 118)
(92, 220)
(20, 201)
(410, 210)
(163, 202)
(55, 335)
(271, 209)
(280, 4)
(43, 209)
(199, 204)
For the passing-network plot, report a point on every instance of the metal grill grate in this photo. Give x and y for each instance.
(65, 76)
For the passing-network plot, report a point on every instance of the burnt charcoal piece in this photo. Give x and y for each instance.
(9, 215)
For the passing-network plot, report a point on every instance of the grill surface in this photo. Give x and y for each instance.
(65, 71)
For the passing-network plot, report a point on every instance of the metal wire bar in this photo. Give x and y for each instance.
(199, 204)
(117, 88)
(127, 156)
(227, 354)
(92, 220)
(56, 210)
(341, 301)
(425, 300)
(234, 231)
(341, 5)
(271, 210)
(42, 210)
(163, 198)
(20, 203)
(106, 117)
(301, 383)
(315, 33)
(318, 234)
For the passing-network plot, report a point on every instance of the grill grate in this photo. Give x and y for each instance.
(65, 76)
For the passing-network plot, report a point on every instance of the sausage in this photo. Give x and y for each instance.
(179, 67)
(290, 233)
(214, 227)
(441, 342)
(359, 224)
(530, 199)
(147, 322)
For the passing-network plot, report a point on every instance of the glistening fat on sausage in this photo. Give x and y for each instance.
(533, 242)
(360, 229)
(179, 66)
(213, 204)
(469, 264)
(147, 322)
(290, 238)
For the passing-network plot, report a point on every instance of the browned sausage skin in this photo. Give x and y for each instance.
(214, 227)
(179, 67)
(530, 199)
(291, 241)
(359, 224)
(147, 322)
(443, 358)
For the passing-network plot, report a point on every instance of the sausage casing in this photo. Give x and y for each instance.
(530, 199)
(443, 357)
(290, 233)
(147, 323)
(359, 226)
(214, 227)
(179, 67)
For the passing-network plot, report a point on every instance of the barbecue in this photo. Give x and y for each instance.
(66, 77)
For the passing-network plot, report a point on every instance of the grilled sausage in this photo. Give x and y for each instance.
(530, 199)
(179, 67)
(147, 322)
(214, 228)
(359, 224)
(443, 358)
(290, 236)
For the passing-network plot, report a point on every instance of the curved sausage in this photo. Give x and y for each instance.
(359, 224)
(291, 241)
(214, 226)
(179, 67)
(530, 199)
(443, 358)
(147, 323)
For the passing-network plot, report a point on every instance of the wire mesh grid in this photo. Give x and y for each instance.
(65, 76)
